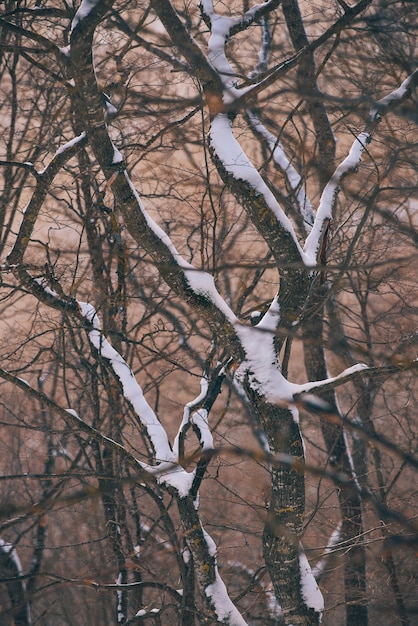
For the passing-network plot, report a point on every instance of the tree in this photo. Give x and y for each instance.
(172, 216)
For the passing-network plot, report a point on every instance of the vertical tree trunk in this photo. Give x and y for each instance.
(11, 572)
(284, 524)
(339, 459)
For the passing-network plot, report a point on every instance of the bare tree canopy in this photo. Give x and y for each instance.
(208, 236)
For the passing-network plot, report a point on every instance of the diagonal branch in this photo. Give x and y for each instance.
(194, 286)
(351, 163)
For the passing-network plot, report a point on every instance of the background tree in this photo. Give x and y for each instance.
(180, 231)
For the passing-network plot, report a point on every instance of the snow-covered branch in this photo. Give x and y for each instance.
(351, 164)
(195, 286)
(222, 28)
(393, 99)
(132, 392)
(329, 196)
(84, 11)
(280, 159)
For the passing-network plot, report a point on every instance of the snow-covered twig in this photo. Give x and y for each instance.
(221, 29)
(84, 10)
(199, 417)
(309, 589)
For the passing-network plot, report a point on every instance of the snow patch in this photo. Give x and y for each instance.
(200, 419)
(226, 611)
(70, 143)
(86, 7)
(117, 155)
(178, 478)
(310, 590)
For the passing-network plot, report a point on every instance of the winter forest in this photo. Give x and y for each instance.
(208, 296)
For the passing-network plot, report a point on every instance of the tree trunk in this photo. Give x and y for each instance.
(339, 459)
(284, 524)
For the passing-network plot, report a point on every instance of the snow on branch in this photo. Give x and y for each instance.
(199, 418)
(351, 163)
(329, 195)
(334, 540)
(280, 159)
(237, 24)
(236, 163)
(264, 54)
(310, 591)
(222, 27)
(84, 10)
(131, 389)
(403, 92)
(199, 282)
(217, 594)
(11, 572)
(224, 608)
(356, 371)
(195, 286)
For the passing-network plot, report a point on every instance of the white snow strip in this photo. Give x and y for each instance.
(335, 538)
(264, 53)
(178, 478)
(43, 283)
(199, 281)
(225, 609)
(117, 156)
(271, 319)
(359, 367)
(131, 389)
(330, 193)
(236, 163)
(9, 549)
(310, 590)
(85, 8)
(65, 50)
(261, 365)
(110, 108)
(294, 179)
(70, 143)
(200, 419)
(221, 27)
(186, 413)
(187, 555)
(119, 594)
(262, 369)
(394, 96)
(23, 380)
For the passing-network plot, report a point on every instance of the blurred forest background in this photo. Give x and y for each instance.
(88, 536)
